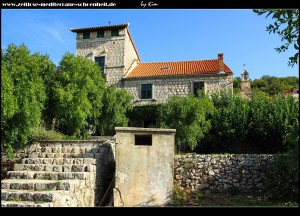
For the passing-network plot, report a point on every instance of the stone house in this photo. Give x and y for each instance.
(113, 49)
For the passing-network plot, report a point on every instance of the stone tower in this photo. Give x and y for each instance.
(111, 47)
(245, 84)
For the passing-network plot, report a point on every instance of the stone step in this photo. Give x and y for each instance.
(32, 196)
(74, 143)
(68, 155)
(59, 161)
(47, 175)
(55, 168)
(74, 150)
(40, 184)
(26, 204)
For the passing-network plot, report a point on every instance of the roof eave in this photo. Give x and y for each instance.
(76, 30)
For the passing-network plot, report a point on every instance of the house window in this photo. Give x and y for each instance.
(100, 61)
(114, 33)
(86, 35)
(198, 86)
(100, 34)
(146, 91)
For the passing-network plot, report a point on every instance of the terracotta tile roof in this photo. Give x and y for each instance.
(95, 28)
(177, 68)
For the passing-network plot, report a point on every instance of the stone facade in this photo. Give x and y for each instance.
(118, 51)
(219, 172)
(144, 166)
(166, 87)
(121, 58)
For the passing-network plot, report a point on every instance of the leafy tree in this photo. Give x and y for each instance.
(116, 103)
(237, 85)
(189, 116)
(286, 25)
(274, 85)
(283, 180)
(77, 93)
(271, 118)
(22, 94)
(230, 122)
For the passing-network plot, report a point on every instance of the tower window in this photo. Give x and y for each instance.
(100, 34)
(101, 61)
(114, 33)
(146, 91)
(86, 35)
(198, 86)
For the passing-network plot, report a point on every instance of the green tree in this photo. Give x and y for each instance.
(22, 94)
(237, 85)
(274, 85)
(286, 25)
(189, 116)
(230, 122)
(116, 103)
(77, 93)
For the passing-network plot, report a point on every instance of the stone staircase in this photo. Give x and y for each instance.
(58, 174)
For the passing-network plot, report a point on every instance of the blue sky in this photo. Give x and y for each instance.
(159, 35)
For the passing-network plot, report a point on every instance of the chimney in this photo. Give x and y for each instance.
(221, 63)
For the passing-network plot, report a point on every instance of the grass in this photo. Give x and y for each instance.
(40, 133)
(47, 176)
(227, 198)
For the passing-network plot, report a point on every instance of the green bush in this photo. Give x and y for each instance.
(116, 103)
(76, 95)
(283, 180)
(189, 116)
(271, 118)
(40, 133)
(230, 122)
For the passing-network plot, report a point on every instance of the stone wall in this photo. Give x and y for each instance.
(219, 172)
(118, 51)
(165, 87)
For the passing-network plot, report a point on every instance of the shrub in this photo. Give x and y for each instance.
(40, 133)
(116, 103)
(189, 116)
(76, 95)
(283, 180)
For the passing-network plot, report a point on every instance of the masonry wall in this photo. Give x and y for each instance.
(130, 53)
(219, 172)
(166, 87)
(118, 51)
(144, 173)
(110, 47)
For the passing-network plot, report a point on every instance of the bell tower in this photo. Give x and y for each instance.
(245, 84)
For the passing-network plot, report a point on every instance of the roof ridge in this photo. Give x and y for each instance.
(177, 61)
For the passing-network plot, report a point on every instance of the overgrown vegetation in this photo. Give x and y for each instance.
(189, 116)
(283, 180)
(270, 85)
(39, 101)
(115, 105)
(22, 94)
(40, 133)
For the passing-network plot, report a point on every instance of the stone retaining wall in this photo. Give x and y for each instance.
(219, 172)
